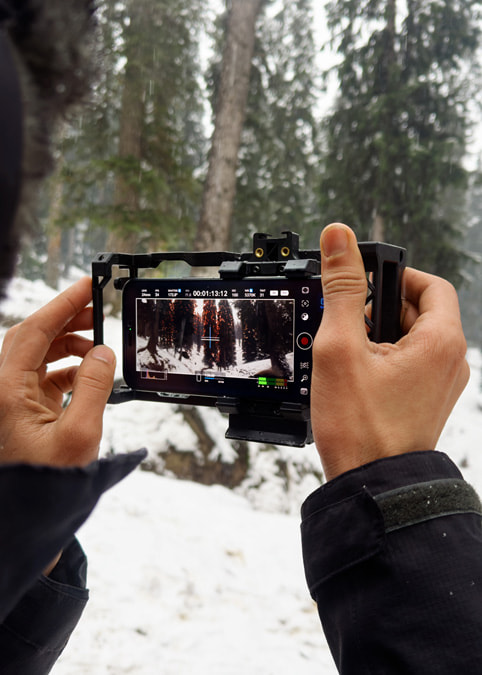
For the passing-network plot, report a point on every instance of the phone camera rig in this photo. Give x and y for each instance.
(271, 418)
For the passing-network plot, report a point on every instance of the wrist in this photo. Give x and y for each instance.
(384, 475)
(49, 569)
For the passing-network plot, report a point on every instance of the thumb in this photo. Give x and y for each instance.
(92, 387)
(344, 281)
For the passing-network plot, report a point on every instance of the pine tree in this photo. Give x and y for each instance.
(275, 326)
(183, 318)
(166, 324)
(132, 160)
(210, 336)
(198, 331)
(144, 319)
(153, 328)
(398, 132)
(227, 342)
(249, 329)
(279, 154)
(470, 293)
(214, 225)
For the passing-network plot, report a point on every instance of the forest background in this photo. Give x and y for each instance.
(214, 120)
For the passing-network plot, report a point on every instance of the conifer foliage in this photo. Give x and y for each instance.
(227, 337)
(210, 333)
(399, 128)
(279, 155)
(130, 161)
(250, 330)
(267, 333)
(183, 326)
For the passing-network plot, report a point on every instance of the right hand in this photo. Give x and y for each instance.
(368, 400)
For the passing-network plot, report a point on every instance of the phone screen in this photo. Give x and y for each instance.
(212, 337)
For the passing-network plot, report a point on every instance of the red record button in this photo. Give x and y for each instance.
(304, 340)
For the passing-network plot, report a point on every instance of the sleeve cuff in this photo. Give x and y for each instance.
(382, 476)
(346, 521)
(41, 509)
(70, 573)
(34, 634)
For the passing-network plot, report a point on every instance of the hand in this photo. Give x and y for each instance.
(368, 400)
(34, 427)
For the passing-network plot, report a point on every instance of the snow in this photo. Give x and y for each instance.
(192, 579)
(171, 363)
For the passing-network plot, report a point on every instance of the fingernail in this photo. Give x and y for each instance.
(103, 353)
(334, 241)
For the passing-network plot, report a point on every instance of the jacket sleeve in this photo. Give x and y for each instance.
(41, 508)
(35, 633)
(393, 559)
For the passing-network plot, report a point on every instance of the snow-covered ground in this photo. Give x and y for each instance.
(201, 580)
(194, 364)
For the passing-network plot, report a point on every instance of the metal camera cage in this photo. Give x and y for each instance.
(271, 422)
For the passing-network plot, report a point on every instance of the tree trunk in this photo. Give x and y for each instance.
(126, 194)
(53, 229)
(54, 240)
(213, 232)
(387, 68)
(378, 228)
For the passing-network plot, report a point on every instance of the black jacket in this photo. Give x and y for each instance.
(393, 558)
(40, 510)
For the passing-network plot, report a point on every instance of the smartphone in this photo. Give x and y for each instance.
(249, 338)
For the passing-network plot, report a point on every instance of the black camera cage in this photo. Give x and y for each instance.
(271, 422)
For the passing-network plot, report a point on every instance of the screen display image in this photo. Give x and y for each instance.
(215, 338)
(219, 338)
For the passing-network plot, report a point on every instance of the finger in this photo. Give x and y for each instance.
(7, 341)
(408, 316)
(83, 321)
(62, 380)
(433, 304)
(429, 293)
(68, 345)
(344, 282)
(437, 304)
(33, 337)
(92, 387)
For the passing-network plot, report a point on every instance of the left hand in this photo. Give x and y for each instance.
(34, 427)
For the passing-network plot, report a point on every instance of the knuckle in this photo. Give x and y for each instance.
(96, 381)
(454, 340)
(339, 349)
(450, 349)
(11, 331)
(344, 281)
(458, 347)
(448, 287)
(39, 334)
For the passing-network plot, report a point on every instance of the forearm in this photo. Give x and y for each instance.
(41, 508)
(48, 570)
(397, 570)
